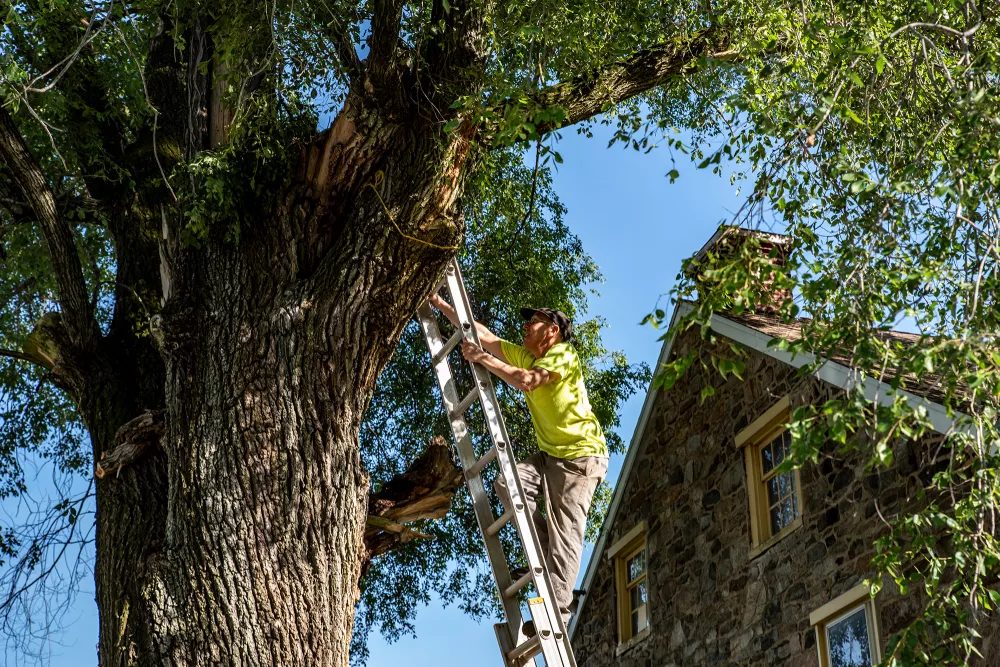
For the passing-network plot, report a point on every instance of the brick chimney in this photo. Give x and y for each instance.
(725, 243)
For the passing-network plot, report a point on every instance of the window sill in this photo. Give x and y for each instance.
(632, 642)
(764, 546)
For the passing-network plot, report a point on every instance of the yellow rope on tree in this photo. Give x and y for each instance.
(379, 177)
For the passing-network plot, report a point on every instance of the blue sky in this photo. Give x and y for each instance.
(638, 227)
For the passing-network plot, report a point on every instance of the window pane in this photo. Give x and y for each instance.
(766, 458)
(779, 449)
(636, 565)
(848, 640)
(785, 485)
(787, 512)
(786, 442)
(775, 513)
(637, 596)
(773, 492)
(640, 620)
(783, 514)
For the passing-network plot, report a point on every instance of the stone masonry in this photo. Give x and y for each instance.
(710, 603)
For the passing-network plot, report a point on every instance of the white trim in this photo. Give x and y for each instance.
(615, 548)
(630, 456)
(831, 372)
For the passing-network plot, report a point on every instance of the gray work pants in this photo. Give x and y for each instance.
(568, 486)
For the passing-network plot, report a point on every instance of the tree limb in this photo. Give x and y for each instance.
(19, 355)
(132, 440)
(457, 56)
(424, 491)
(589, 94)
(384, 44)
(337, 33)
(73, 296)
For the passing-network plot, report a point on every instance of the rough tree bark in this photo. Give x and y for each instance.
(239, 535)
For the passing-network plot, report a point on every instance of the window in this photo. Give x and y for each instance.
(775, 499)
(628, 556)
(781, 501)
(846, 630)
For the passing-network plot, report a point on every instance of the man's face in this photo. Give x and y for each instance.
(536, 330)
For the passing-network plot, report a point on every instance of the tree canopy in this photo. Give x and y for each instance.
(141, 141)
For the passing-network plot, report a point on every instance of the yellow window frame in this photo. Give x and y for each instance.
(839, 609)
(624, 586)
(753, 440)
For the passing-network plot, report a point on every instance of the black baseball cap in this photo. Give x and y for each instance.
(557, 317)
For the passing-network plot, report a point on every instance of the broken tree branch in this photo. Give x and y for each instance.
(19, 355)
(134, 439)
(424, 491)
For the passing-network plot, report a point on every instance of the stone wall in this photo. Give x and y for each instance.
(709, 602)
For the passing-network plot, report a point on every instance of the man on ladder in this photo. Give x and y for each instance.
(573, 456)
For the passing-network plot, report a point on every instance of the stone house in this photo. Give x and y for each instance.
(708, 557)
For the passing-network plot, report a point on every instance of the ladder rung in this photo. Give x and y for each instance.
(495, 527)
(466, 402)
(478, 466)
(528, 649)
(512, 590)
(449, 345)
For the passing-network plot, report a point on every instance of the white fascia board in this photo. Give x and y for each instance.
(630, 456)
(836, 374)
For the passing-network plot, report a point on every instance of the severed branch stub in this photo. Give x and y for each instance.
(424, 491)
(132, 441)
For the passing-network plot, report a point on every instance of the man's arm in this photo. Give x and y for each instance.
(489, 340)
(525, 379)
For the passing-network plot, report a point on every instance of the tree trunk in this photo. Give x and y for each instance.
(268, 494)
(249, 545)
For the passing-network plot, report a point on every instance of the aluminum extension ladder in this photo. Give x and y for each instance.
(551, 639)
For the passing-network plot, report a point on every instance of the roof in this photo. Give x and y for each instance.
(756, 331)
(929, 386)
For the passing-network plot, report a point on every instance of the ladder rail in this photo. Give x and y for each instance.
(477, 490)
(498, 432)
(551, 639)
